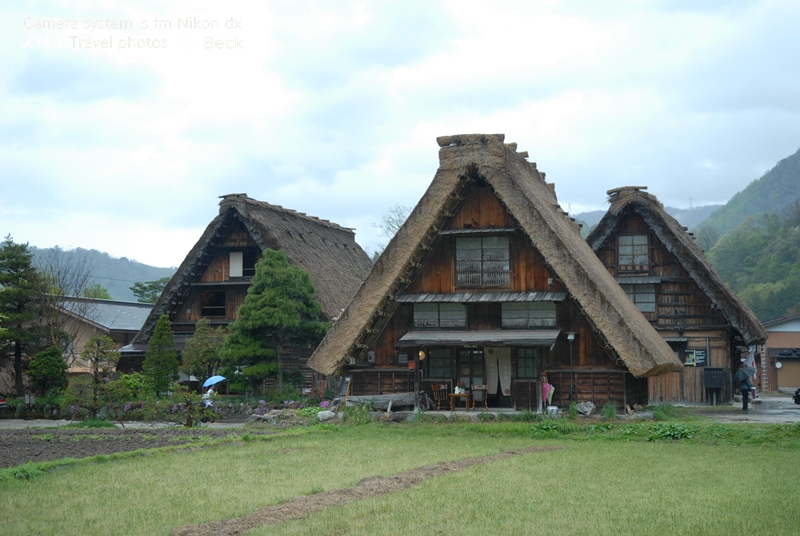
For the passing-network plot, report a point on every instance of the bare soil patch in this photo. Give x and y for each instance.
(44, 444)
(300, 507)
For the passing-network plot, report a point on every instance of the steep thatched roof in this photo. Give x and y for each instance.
(517, 183)
(328, 252)
(632, 200)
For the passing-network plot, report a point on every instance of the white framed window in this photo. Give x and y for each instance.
(236, 263)
(526, 315)
(440, 315)
(644, 296)
(633, 253)
(482, 261)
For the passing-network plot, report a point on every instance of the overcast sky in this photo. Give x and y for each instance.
(333, 108)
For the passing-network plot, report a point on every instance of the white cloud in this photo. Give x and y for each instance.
(333, 109)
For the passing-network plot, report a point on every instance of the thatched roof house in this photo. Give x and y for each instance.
(484, 188)
(661, 267)
(327, 251)
(212, 281)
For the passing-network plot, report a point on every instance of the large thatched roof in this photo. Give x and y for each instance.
(329, 253)
(518, 184)
(632, 200)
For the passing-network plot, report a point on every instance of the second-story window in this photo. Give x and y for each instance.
(440, 315)
(212, 304)
(633, 253)
(482, 261)
(527, 315)
(644, 296)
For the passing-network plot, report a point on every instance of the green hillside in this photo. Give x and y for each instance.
(778, 188)
(115, 274)
(760, 261)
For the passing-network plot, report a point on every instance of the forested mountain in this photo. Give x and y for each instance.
(760, 261)
(689, 217)
(115, 274)
(778, 188)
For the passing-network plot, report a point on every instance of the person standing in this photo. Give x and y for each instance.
(745, 386)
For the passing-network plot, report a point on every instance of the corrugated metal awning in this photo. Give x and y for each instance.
(542, 337)
(633, 280)
(483, 297)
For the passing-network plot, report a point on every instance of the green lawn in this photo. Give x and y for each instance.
(738, 479)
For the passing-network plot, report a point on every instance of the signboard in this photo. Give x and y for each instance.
(696, 358)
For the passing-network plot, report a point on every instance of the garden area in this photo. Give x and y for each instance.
(514, 474)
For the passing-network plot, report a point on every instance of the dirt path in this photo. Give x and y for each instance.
(300, 507)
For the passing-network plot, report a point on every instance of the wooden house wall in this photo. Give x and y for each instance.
(682, 310)
(481, 209)
(189, 311)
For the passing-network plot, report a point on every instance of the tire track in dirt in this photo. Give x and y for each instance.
(301, 507)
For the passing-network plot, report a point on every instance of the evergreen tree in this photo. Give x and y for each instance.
(48, 371)
(279, 309)
(201, 355)
(160, 365)
(20, 293)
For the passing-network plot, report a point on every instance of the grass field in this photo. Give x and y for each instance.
(609, 479)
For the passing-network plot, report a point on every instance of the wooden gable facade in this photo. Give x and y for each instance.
(662, 270)
(594, 373)
(483, 295)
(213, 280)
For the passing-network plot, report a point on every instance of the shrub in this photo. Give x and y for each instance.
(357, 414)
(664, 412)
(609, 411)
(670, 431)
(573, 410)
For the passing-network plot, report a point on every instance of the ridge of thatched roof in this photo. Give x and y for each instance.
(681, 244)
(327, 251)
(521, 187)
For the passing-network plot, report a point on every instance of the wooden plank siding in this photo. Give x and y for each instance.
(683, 311)
(528, 273)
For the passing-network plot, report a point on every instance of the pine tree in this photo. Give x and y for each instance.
(279, 309)
(48, 371)
(160, 365)
(20, 293)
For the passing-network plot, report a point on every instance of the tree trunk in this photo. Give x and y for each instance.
(18, 369)
(280, 367)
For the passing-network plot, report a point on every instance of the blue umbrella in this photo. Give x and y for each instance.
(212, 380)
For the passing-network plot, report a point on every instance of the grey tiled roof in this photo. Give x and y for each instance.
(110, 314)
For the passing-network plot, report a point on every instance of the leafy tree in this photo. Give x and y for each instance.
(97, 292)
(149, 291)
(201, 355)
(20, 294)
(48, 371)
(160, 365)
(707, 236)
(100, 356)
(279, 309)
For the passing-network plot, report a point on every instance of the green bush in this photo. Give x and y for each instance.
(667, 431)
(573, 410)
(358, 414)
(664, 412)
(609, 411)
